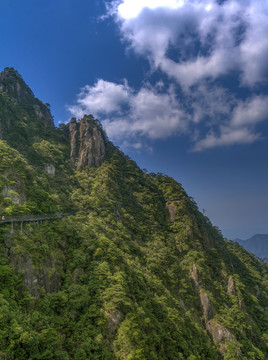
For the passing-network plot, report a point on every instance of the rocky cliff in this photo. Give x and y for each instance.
(87, 143)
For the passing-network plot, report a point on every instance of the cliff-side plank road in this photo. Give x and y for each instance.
(58, 215)
(31, 218)
(28, 218)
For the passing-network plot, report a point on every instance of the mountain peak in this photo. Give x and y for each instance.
(21, 113)
(256, 244)
(14, 86)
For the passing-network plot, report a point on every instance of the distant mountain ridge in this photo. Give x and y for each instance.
(257, 244)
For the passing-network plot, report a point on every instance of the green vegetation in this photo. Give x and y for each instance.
(125, 277)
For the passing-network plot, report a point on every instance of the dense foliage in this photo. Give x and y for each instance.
(124, 278)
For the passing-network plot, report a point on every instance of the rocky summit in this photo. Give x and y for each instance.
(100, 260)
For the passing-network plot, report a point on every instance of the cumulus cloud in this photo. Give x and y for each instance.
(254, 47)
(210, 104)
(227, 136)
(131, 117)
(239, 127)
(128, 114)
(103, 98)
(250, 112)
(214, 54)
(130, 9)
(207, 39)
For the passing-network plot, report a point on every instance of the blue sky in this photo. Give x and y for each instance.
(180, 86)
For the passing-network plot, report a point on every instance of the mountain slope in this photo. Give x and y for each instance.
(137, 273)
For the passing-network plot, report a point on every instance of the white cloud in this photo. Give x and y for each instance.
(254, 48)
(196, 44)
(103, 98)
(207, 39)
(211, 104)
(156, 115)
(227, 137)
(131, 9)
(191, 72)
(239, 127)
(126, 114)
(132, 117)
(251, 112)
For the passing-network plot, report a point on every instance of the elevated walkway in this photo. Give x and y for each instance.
(32, 218)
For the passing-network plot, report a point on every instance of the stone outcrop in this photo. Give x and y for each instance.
(73, 131)
(50, 169)
(114, 320)
(172, 211)
(257, 294)
(194, 275)
(231, 287)
(218, 332)
(46, 275)
(87, 143)
(14, 193)
(208, 310)
(42, 112)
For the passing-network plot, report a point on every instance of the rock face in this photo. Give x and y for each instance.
(194, 275)
(218, 332)
(172, 211)
(87, 143)
(208, 310)
(46, 275)
(231, 287)
(50, 169)
(43, 112)
(14, 192)
(73, 130)
(113, 323)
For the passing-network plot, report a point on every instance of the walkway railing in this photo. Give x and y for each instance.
(29, 218)
(58, 215)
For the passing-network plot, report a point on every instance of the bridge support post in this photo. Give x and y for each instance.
(21, 227)
(12, 227)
